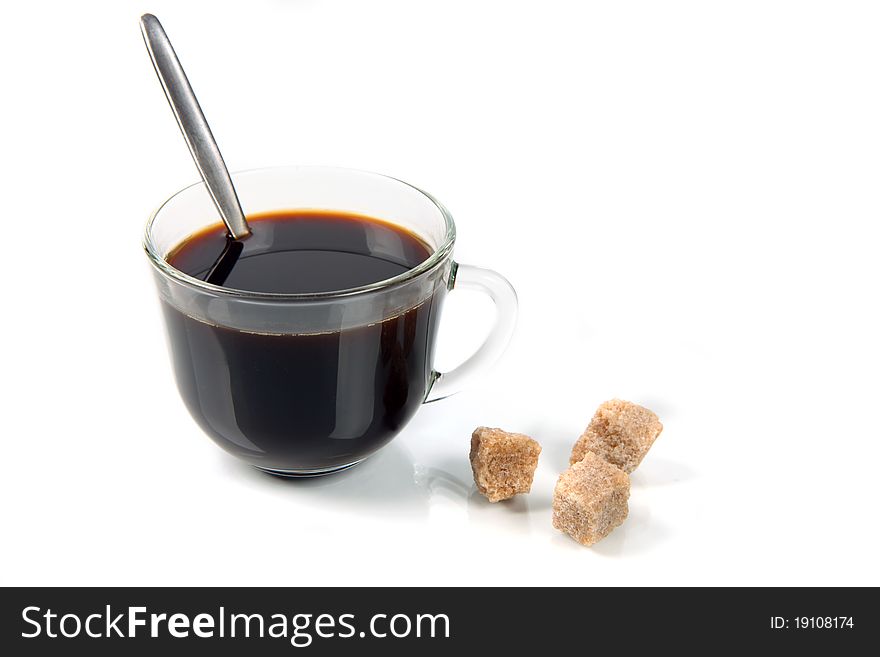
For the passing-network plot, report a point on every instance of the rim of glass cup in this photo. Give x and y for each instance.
(437, 257)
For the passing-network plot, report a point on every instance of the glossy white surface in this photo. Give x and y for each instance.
(684, 194)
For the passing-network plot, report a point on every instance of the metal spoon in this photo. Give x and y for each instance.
(195, 130)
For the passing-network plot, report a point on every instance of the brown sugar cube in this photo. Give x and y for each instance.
(503, 463)
(591, 499)
(621, 433)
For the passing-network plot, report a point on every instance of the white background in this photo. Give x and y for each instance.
(684, 194)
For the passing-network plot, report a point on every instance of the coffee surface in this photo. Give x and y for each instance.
(305, 252)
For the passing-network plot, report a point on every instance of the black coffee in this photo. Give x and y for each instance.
(312, 401)
(305, 252)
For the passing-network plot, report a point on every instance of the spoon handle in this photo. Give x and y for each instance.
(194, 126)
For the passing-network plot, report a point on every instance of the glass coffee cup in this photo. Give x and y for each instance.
(312, 383)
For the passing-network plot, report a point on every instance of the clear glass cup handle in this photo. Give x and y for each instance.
(468, 277)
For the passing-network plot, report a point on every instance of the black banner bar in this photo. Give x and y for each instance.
(319, 621)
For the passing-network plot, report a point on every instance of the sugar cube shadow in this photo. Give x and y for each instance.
(455, 480)
(639, 534)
